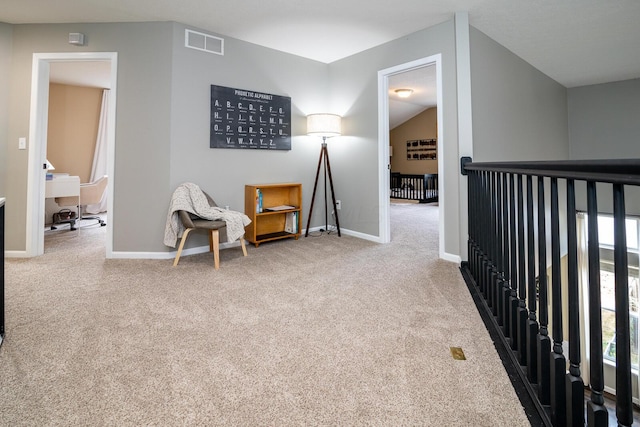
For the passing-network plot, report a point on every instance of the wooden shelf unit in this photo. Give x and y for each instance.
(270, 225)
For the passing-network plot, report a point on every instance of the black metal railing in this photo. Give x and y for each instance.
(423, 188)
(516, 213)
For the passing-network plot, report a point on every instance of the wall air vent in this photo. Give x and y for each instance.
(203, 42)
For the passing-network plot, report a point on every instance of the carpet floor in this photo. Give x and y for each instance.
(321, 331)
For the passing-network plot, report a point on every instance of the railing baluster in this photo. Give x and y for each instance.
(624, 410)
(558, 362)
(513, 298)
(532, 323)
(422, 188)
(499, 251)
(485, 237)
(496, 241)
(597, 414)
(477, 235)
(493, 277)
(434, 186)
(522, 281)
(489, 235)
(506, 291)
(479, 229)
(518, 296)
(544, 342)
(471, 243)
(574, 384)
(482, 263)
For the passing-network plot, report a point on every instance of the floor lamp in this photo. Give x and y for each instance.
(326, 126)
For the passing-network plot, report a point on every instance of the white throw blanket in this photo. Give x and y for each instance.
(189, 197)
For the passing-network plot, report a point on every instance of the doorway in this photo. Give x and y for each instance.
(38, 147)
(384, 165)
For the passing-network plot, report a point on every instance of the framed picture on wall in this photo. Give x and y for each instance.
(247, 119)
(422, 149)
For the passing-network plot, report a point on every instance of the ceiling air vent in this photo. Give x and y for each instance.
(203, 42)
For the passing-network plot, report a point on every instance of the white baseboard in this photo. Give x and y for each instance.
(363, 236)
(346, 232)
(15, 254)
(203, 249)
(451, 257)
(169, 255)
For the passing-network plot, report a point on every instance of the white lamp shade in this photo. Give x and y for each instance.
(326, 125)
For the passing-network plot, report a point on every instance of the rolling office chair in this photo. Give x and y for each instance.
(90, 194)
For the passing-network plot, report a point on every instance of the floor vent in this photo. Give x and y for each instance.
(203, 42)
(457, 353)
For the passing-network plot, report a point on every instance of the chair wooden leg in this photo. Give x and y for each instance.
(215, 239)
(244, 248)
(184, 239)
(211, 241)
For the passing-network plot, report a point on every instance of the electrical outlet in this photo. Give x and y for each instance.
(338, 204)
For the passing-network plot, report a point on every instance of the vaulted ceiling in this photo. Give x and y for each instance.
(575, 42)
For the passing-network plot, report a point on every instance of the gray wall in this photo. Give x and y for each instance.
(604, 123)
(519, 113)
(354, 88)
(143, 125)
(5, 73)
(162, 128)
(223, 173)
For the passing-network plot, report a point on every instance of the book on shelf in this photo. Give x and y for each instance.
(291, 222)
(280, 208)
(258, 200)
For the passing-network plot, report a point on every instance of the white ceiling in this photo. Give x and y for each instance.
(423, 83)
(575, 42)
(81, 73)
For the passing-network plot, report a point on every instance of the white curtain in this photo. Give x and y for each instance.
(99, 167)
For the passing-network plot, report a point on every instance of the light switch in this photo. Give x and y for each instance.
(22, 143)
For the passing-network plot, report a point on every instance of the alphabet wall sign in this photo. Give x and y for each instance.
(246, 119)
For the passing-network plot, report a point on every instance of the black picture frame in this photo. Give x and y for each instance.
(245, 119)
(422, 149)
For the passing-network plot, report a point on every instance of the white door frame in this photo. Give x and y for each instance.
(38, 122)
(384, 219)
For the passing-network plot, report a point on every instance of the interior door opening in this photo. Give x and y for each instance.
(384, 77)
(413, 140)
(41, 73)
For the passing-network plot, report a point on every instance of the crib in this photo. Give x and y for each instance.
(423, 188)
